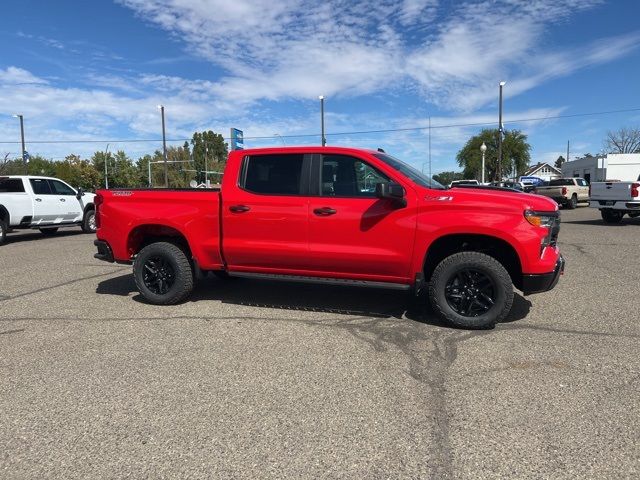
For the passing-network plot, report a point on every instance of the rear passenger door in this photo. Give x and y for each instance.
(265, 215)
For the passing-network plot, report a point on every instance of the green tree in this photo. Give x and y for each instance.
(209, 152)
(121, 171)
(515, 154)
(77, 172)
(445, 178)
(559, 161)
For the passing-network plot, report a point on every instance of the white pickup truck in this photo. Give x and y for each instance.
(615, 199)
(43, 203)
(566, 191)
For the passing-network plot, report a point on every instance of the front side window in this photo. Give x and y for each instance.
(344, 176)
(60, 188)
(40, 186)
(273, 174)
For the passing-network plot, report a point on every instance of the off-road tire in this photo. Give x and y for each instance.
(502, 287)
(87, 221)
(3, 231)
(48, 231)
(611, 216)
(573, 202)
(177, 261)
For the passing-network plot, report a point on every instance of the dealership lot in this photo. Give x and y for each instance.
(251, 379)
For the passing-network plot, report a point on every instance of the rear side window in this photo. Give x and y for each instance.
(11, 185)
(273, 174)
(40, 186)
(561, 182)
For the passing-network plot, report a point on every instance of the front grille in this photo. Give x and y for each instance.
(555, 230)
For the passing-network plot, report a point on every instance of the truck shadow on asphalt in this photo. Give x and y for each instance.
(367, 302)
(32, 236)
(600, 223)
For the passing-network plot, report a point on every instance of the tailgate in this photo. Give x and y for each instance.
(620, 191)
(550, 191)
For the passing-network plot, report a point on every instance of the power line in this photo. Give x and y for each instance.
(357, 132)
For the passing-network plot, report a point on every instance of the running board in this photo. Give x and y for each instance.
(321, 280)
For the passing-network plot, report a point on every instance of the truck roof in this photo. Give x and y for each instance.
(305, 149)
(29, 176)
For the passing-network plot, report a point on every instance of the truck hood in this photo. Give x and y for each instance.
(497, 198)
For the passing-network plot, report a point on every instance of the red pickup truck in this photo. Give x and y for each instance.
(337, 215)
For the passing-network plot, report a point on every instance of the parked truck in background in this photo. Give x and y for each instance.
(43, 203)
(615, 199)
(566, 191)
(342, 216)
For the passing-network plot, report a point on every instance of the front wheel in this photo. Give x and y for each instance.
(163, 273)
(611, 216)
(89, 222)
(471, 290)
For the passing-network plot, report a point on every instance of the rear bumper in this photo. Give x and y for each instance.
(104, 251)
(543, 282)
(615, 204)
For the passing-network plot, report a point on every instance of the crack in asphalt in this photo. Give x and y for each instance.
(12, 331)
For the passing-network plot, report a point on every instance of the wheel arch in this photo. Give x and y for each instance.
(146, 234)
(495, 247)
(4, 215)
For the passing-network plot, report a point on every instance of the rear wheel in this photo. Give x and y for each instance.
(573, 202)
(471, 290)
(3, 231)
(48, 231)
(163, 273)
(89, 222)
(611, 216)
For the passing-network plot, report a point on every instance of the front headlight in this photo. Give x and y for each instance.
(541, 219)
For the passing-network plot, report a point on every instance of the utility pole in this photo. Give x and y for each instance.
(499, 169)
(567, 151)
(24, 152)
(106, 173)
(164, 149)
(324, 140)
(430, 147)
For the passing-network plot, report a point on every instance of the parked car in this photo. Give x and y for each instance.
(304, 214)
(43, 203)
(615, 199)
(457, 183)
(513, 185)
(566, 191)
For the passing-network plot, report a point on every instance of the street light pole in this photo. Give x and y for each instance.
(24, 156)
(324, 140)
(164, 149)
(106, 173)
(499, 169)
(483, 149)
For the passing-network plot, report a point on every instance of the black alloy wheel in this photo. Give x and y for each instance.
(158, 275)
(470, 293)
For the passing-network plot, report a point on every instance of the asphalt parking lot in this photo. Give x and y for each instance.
(257, 380)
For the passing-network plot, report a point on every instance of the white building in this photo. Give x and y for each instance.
(613, 166)
(544, 171)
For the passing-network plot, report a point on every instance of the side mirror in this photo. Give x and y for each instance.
(80, 193)
(392, 191)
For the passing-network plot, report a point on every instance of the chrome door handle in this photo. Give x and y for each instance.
(324, 211)
(38, 199)
(62, 200)
(239, 208)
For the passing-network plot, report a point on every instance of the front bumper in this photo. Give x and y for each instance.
(104, 251)
(543, 282)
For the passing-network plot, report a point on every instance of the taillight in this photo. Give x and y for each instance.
(564, 190)
(97, 201)
(634, 189)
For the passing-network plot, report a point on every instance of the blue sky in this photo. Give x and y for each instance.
(95, 72)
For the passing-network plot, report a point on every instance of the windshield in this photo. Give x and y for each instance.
(410, 172)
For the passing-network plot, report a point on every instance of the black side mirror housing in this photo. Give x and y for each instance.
(392, 191)
(80, 193)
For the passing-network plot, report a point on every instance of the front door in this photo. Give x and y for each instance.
(46, 208)
(354, 233)
(265, 215)
(68, 205)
